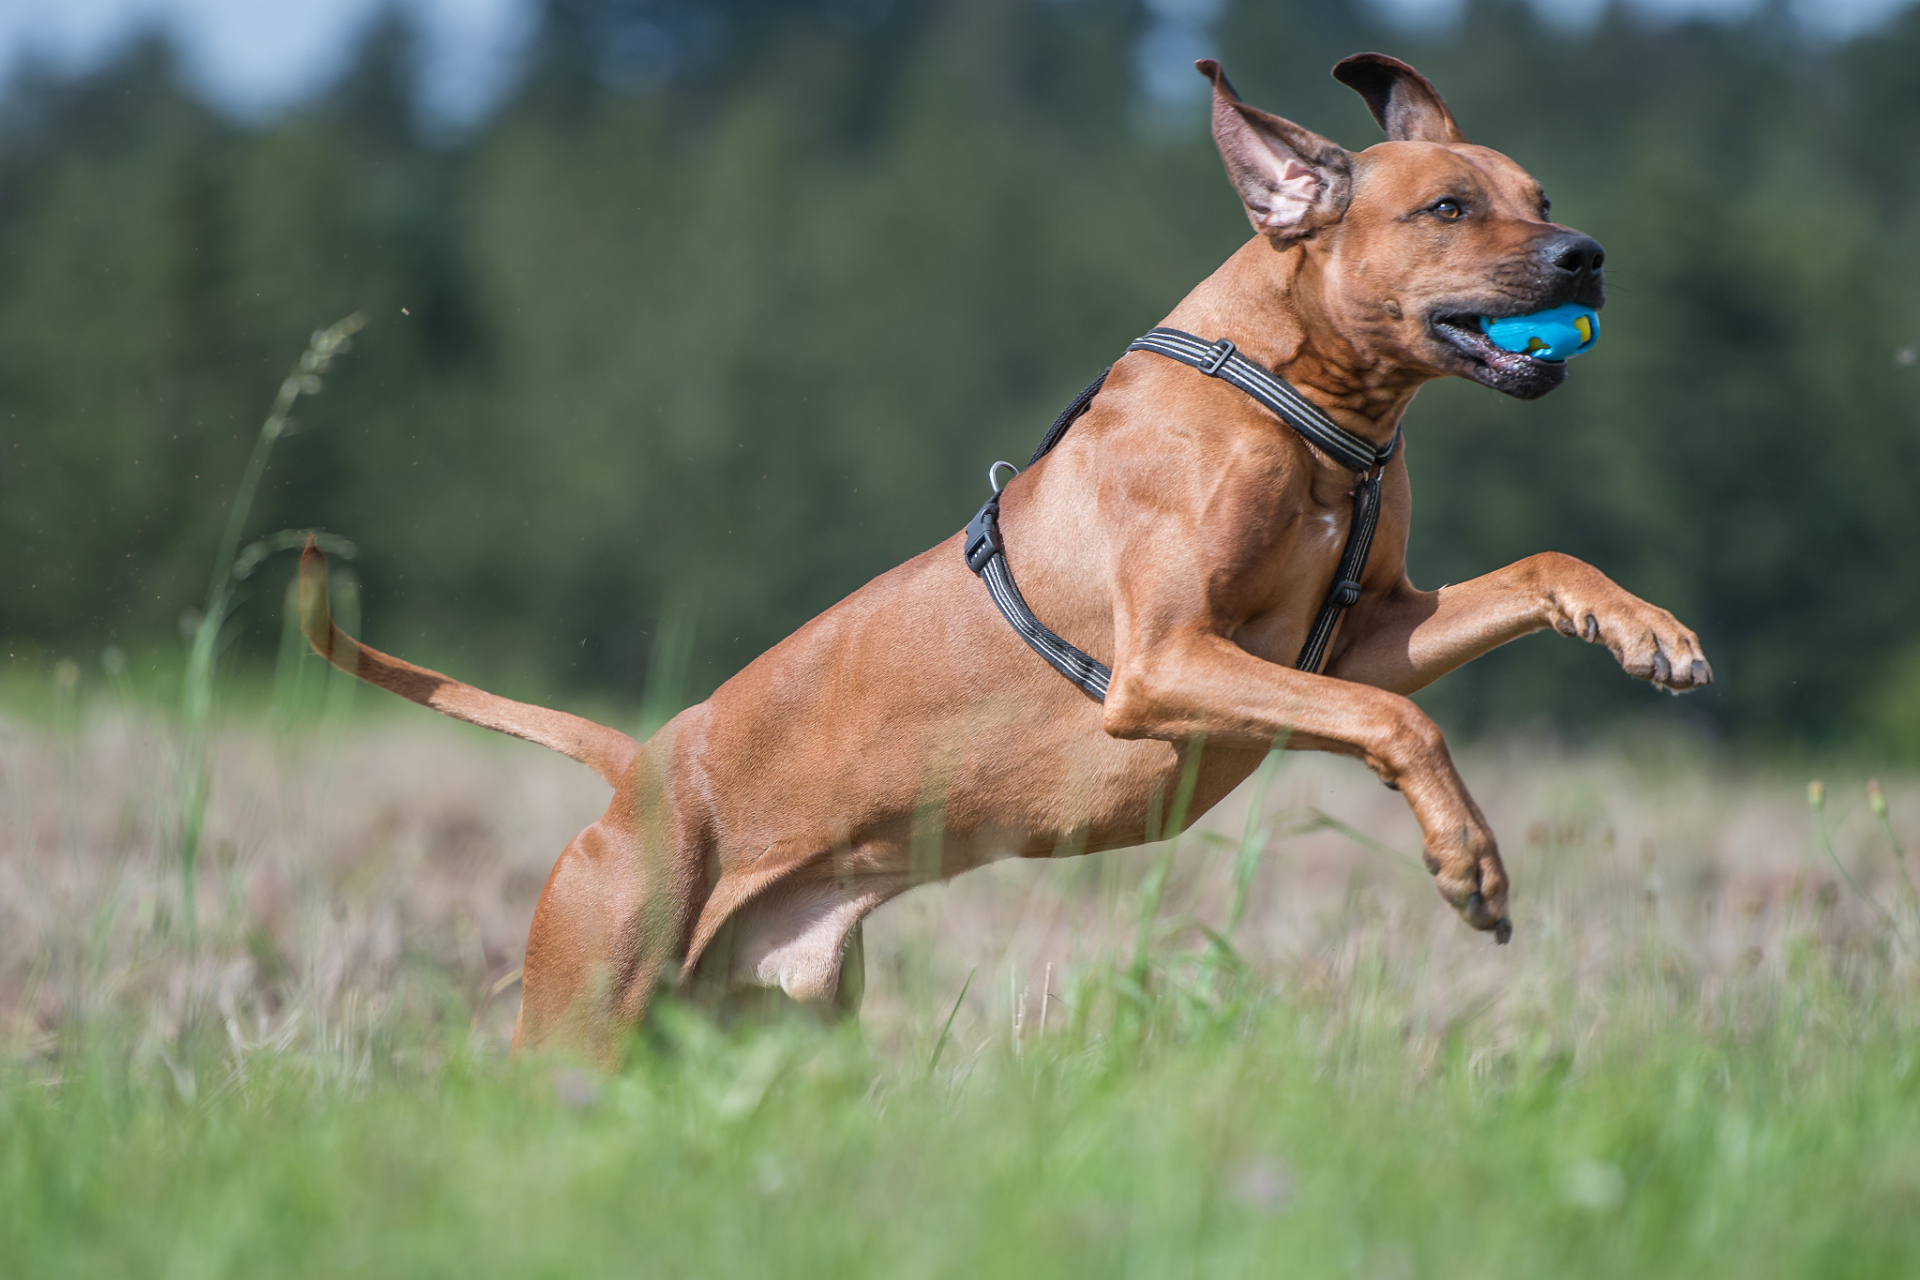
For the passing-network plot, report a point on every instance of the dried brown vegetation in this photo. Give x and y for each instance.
(382, 876)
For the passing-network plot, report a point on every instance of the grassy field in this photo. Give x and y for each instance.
(1268, 1050)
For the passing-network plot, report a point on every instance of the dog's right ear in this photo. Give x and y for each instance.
(1292, 180)
(1405, 102)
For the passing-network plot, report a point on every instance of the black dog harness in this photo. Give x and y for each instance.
(986, 554)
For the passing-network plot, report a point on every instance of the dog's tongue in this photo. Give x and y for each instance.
(1553, 335)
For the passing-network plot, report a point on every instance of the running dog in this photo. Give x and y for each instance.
(1181, 533)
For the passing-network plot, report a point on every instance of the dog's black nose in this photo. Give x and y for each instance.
(1574, 254)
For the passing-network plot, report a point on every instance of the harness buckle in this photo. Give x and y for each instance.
(1345, 594)
(1222, 352)
(982, 540)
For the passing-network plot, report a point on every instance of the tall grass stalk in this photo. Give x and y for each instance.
(1817, 802)
(1877, 801)
(667, 665)
(1253, 842)
(1155, 887)
(940, 1045)
(196, 699)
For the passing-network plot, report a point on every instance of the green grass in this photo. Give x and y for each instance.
(1266, 1137)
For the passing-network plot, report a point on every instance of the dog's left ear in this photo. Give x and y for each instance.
(1292, 180)
(1405, 103)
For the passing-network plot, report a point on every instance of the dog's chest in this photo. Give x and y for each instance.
(1280, 586)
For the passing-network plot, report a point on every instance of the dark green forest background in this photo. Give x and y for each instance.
(728, 305)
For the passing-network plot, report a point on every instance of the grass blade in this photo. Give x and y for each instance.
(940, 1045)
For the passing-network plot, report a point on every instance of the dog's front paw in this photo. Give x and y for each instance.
(1648, 642)
(1469, 875)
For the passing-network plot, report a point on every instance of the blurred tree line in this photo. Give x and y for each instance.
(727, 306)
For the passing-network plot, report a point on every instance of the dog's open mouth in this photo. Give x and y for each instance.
(1514, 372)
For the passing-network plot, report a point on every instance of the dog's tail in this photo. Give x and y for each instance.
(605, 751)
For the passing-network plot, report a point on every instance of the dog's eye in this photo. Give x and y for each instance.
(1448, 209)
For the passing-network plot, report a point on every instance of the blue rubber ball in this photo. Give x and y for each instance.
(1553, 335)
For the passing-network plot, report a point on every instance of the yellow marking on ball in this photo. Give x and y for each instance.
(1536, 344)
(1585, 325)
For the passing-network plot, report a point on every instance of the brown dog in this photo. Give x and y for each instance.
(1180, 532)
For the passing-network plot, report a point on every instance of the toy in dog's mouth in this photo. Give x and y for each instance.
(1524, 356)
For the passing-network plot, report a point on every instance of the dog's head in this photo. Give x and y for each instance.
(1408, 243)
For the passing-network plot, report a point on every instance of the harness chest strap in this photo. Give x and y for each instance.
(986, 554)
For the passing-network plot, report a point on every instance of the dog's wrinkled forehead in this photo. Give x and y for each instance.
(1396, 179)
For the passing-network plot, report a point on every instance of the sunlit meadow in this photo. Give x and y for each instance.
(1266, 1048)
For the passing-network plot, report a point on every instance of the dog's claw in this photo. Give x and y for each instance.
(1648, 642)
(1503, 931)
(1476, 913)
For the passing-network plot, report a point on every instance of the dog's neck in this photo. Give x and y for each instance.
(1271, 303)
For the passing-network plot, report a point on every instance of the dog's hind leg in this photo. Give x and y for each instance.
(616, 912)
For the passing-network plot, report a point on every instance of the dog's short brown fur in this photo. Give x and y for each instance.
(1180, 533)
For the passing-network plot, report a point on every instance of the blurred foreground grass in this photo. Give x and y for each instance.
(1698, 1056)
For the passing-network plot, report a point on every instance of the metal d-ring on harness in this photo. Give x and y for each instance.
(986, 556)
(986, 553)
